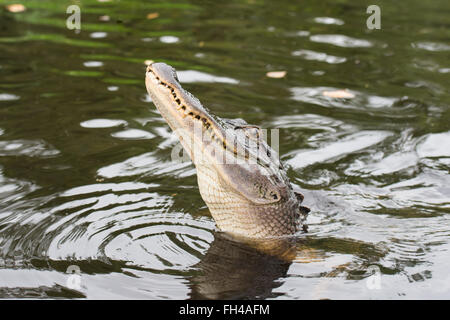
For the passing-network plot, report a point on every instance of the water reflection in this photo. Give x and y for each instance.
(236, 268)
(233, 269)
(197, 76)
(93, 64)
(169, 39)
(318, 56)
(98, 35)
(8, 97)
(341, 40)
(102, 123)
(27, 147)
(431, 46)
(329, 20)
(133, 134)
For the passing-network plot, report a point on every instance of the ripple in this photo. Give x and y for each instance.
(133, 134)
(329, 20)
(103, 187)
(423, 190)
(147, 163)
(426, 64)
(12, 190)
(424, 195)
(383, 163)
(137, 248)
(431, 46)
(332, 152)
(318, 56)
(303, 33)
(318, 73)
(435, 145)
(93, 64)
(134, 228)
(102, 123)
(113, 88)
(189, 76)
(169, 39)
(361, 100)
(31, 148)
(122, 230)
(388, 165)
(341, 41)
(98, 35)
(8, 188)
(8, 97)
(310, 121)
(408, 250)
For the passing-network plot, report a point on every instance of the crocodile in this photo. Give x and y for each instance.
(240, 177)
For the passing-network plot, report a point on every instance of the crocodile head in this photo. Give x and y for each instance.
(239, 175)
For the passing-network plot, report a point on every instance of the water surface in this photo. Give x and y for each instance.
(86, 176)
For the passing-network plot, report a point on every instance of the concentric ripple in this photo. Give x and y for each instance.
(125, 225)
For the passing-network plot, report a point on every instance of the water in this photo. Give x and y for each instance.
(86, 176)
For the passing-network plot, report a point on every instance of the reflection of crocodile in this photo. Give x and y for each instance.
(247, 268)
(239, 176)
(242, 269)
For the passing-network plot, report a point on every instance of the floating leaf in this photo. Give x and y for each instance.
(152, 15)
(16, 7)
(104, 18)
(276, 74)
(339, 94)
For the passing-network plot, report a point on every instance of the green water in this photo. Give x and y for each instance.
(86, 176)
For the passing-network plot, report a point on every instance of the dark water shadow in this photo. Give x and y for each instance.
(247, 269)
(234, 269)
